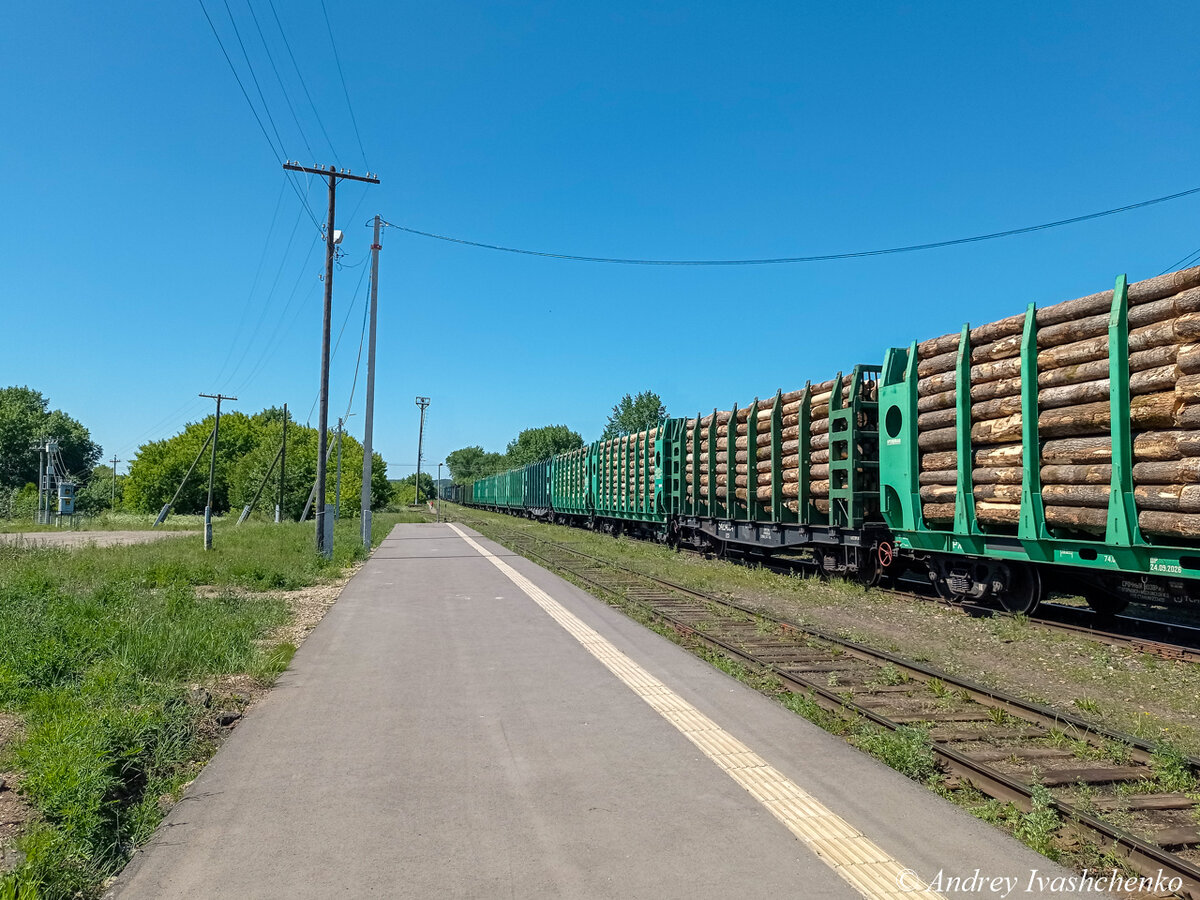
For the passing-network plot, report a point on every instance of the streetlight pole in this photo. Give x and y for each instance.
(439, 493)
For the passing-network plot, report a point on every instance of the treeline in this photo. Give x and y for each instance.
(26, 419)
(472, 463)
(247, 447)
(630, 415)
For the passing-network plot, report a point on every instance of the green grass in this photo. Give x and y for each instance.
(97, 649)
(907, 750)
(109, 521)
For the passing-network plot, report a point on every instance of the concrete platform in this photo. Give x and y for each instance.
(466, 725)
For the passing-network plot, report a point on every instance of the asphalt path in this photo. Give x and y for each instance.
(456, 726)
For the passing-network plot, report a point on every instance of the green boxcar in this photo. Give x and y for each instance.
(1119, 547)
(505, 490)
(537, 486)
(483, 491)
(570, 488)
(512, 491)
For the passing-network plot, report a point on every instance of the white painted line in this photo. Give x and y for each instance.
(841, 846)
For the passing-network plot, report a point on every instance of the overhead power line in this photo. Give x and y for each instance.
(1186, 262)
(300, 76)
(279, 152)
(824, 257)
(279, 79)
(345, 90)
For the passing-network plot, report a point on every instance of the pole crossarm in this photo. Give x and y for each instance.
(339, 174)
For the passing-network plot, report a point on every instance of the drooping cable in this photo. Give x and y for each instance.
(824, 257)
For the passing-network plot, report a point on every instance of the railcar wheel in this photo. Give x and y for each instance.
(869, 572)
(1023, 592)
(942, 587)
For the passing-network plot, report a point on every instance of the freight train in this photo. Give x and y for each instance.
(1055, 450)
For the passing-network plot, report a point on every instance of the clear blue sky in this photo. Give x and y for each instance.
(140, 196)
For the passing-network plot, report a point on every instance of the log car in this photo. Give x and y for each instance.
(1055, 450)
(797, 474)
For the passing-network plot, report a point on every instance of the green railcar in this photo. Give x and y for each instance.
(536, 496)
(512, 491)
(570, 486)
(1111, 561)
(505, 490)
(765, 508)
(635, 479)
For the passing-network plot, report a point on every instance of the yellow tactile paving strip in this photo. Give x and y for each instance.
(841, 846)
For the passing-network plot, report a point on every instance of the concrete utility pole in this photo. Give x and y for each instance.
(113, 502)
(337, 480)
(422, 402)
(331, 239)
(439, 493)
(369, 425)
(41, 481)
(282, 468)
(46, 480)
(212, 468)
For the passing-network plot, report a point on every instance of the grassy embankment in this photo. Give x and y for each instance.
(98, 647)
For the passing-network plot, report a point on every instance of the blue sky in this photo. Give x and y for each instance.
(149, 219)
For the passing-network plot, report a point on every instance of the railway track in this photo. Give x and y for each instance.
(1115, 790)
(1171, 641)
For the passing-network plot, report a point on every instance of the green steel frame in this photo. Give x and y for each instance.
(619, 497)
(1123, 548)
(853, 437)
(570, 485)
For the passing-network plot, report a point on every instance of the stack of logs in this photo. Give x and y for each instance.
(1073, 412)
(789, 446)
(818, 440)
(633, 482)
(574, 485)
(995, 422)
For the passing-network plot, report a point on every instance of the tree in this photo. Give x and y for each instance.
(158, 468)
(535, 444)
(634, 414)
(248, 446)
(25, 418)
(97, 494)
(428, 490)
(472, 463)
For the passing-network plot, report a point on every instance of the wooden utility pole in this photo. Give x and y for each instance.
(113, 502)
(369, 425)
(422, 402)
(331, 239)
(212, 468)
